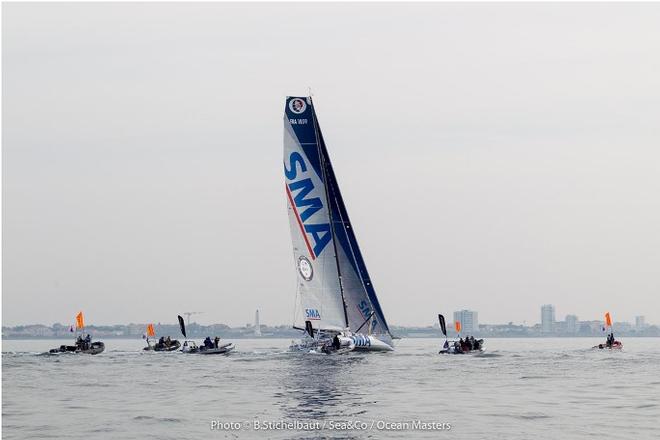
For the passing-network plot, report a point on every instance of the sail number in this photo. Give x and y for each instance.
(294, 121)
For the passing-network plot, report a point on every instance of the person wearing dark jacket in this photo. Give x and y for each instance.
(610, 340)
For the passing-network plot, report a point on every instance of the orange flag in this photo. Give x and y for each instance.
(608, 319)
(457, 326)
(150, 331)
(80, 322)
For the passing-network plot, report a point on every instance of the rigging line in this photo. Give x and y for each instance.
(350, 246)
(317, 132)
(365, 321)
(336, 192)
(358, 268)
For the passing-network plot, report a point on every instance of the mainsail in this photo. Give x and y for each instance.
(333, 282)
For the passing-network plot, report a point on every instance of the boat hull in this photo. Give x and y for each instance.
(191, 348)
(616, 346)
(175, 345)
(356, 342)
(373, 343)
(451, 349)
(95, 348)
(220, 350)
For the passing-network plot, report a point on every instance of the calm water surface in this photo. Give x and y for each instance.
(518, 389)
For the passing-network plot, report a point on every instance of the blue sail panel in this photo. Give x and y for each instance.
(300, 116)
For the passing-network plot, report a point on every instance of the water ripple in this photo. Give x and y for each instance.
(533, 386)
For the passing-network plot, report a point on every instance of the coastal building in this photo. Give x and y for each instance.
(547, 318)
(571, 324)
(135, 329)
(469, 320)
(560, 328)
(622, 327)
(640, 323)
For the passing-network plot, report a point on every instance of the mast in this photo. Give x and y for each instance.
(327, 198)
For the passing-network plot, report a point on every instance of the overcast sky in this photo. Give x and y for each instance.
(492, 157)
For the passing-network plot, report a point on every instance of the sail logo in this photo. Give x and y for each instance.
(312, 314)
(305, 268)
(365, 310)
(297, 106)
(361, 341)
(300, 191)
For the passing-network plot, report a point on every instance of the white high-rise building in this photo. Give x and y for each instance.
(469, 321)
(571, 324)
(547, 318)
(257, 326)
(640, 323)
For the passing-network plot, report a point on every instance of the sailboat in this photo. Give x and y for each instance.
(336, 299)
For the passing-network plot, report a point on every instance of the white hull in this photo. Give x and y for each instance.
(373, 343)
(451, 350)
(357, 342)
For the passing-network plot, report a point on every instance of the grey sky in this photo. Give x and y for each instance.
(494, 157)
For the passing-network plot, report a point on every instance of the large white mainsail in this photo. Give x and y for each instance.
(333, 283)
(309, 219)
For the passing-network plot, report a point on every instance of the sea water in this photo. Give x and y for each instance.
(518, 389)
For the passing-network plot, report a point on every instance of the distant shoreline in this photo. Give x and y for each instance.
(42, 338)
(591, 329)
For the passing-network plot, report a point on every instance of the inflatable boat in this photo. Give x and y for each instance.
(94, 348)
